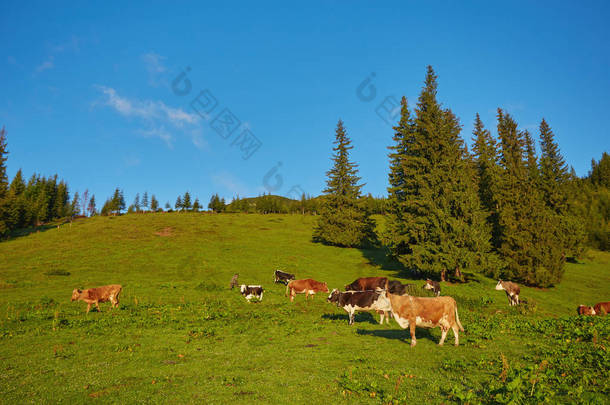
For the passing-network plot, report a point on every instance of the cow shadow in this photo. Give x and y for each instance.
(398, 334)
(359, 317)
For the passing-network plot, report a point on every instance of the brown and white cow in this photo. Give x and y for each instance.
(585, 310)
(97, 295)
(353, 301)
(307, 286)
(427, 312)
(435, 286)
(512, 291)
(368, 283)
(602, 308)
(251, 291)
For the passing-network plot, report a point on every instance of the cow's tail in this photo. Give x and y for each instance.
(457, 319)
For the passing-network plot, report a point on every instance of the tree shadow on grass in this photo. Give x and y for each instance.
(359, 317)
(398, 334)
(378, 255)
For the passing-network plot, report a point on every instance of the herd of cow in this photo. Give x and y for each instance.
(389, 298)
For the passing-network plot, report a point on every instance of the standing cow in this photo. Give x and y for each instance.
(427, 312)
(251, 291)
(97, 295)
(234, 282)
(280, 276)
(307, 286)
(435, 286)
(368, 283)
(397, 288)
(353, 301)
(512, 291)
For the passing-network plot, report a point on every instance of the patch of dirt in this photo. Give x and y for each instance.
(166, 232)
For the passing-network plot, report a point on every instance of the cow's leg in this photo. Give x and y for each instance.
(306, 295)
(291, 294)
(88, 307)
(444, 331)
(351, 317)
(412, 330)
(517, 298)
(381, 316)
(97, 305)
(455, 334)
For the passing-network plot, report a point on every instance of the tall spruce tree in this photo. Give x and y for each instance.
(344, 220)
(4, 225)
(528, 242)
(154, 204)
(437, 224)
(488, 174)
(555, 183)
(186, 201)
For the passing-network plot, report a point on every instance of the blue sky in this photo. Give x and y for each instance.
(89, 91)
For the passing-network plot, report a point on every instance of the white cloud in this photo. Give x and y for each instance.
(156, 115)
(47, 64)
(154, 66)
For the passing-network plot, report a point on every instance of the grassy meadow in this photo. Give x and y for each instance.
(181, 336)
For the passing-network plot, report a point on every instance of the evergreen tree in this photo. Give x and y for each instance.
(168, 207)
(186, 201)
(217, 204)
(488, 174)
(600, 171)
(154, 204)
(343, 219)
(4, 225)
(145, 201)
(121, 201)
(553, 171)
(75, 206)
(528, 242)
(437, 223)
(91, 207)
(136, 203)
(196, 205)
(179, 205)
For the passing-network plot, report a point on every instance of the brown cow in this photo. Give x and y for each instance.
(308, 286)
(368, 283)
(602, 308)
(512, 291)
(427, 312)
(585, 310)
(97, 295)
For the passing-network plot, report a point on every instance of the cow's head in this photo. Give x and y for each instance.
(352, 287)
(325, 287)
(242, 288)
(500, 285)
(75, 294)
(334, 296)
(586, 310)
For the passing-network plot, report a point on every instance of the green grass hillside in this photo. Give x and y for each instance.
(181, 336)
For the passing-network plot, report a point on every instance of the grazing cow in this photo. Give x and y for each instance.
(427, 312)
(602, 308)
(435, 286)
(512, 291)
(234, 281)
(397, 288)
(307, 286)
(97, 295)
(251, 291)
(585, 310)
(353, 301)
(368, 283)
(282, 277)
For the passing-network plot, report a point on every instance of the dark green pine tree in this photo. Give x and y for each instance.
(445, 227)
(91, 208)
(555, 183)
(136, 203)
(344, 220)
(4, 225)
(486, 161)
(528, 243)
(396, 236)
(75, 206)
(18, 203)
(145, 201)
(154, 203)
(179, 205)
(186, 201)
(600, 171)
(196, 205)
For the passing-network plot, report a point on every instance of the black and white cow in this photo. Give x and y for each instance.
(251, 291)
(282, 277)
(353, 301)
